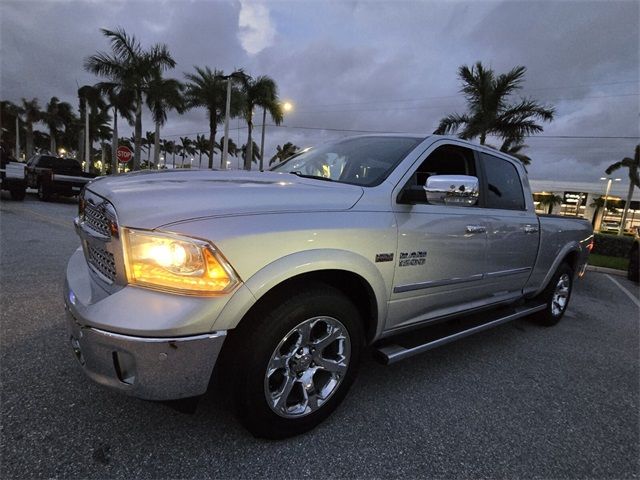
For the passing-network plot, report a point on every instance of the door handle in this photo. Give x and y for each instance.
(530, 229)
(476, 229)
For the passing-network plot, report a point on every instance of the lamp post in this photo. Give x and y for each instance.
(239, 74)
(606, 195)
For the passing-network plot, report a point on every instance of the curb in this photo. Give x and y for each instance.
(610, 271)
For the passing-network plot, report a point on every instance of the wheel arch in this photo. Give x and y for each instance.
(352, 274)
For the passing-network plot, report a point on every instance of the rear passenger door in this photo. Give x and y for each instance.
(513, 230)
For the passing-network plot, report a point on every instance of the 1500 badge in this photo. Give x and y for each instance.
(412, 259)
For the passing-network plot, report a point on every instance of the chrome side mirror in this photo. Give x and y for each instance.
(454, 190)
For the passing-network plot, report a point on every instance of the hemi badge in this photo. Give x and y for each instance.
(384, 257)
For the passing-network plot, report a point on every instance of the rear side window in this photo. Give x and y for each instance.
(504, 189)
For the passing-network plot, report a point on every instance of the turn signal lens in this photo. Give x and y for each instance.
(175, 263)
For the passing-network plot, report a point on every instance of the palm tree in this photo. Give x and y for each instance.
(202, 145)
(133, 68)
(167, 148)
(489, 112)
(88, 97)
(232, 149)
(186, 147)
(177, 150)
(149, 140)
(31, 114)
(259, 92)
(208, 89)
(253, 150)
(284, 152)
(633, 167)
(163, 94)
(549, 200)
(514, 148)
(56, 115)
(120, 100)
(9, 125)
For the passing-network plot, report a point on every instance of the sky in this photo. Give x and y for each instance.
(358, 67)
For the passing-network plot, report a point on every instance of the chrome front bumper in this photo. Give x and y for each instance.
(148, 368)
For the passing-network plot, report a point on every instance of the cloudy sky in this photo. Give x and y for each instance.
(362, 66)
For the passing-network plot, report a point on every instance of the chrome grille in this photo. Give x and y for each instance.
(97, 218)
(102, 261)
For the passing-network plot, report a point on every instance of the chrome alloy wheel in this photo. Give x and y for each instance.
(307, 367)
(560, 295)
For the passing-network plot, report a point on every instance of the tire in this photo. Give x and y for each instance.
(633, 272)
(556, 295)
(18, 193)
(43, 193)
(285, 385)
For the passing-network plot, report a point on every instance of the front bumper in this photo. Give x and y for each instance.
(148, 368)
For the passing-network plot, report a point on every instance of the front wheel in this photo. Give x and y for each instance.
(556, 296)
(297, 359)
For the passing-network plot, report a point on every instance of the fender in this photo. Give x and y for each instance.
(573, 246)
(299, 263)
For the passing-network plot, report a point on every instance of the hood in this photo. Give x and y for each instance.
(154, 199)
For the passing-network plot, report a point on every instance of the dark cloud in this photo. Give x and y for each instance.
(369, 65)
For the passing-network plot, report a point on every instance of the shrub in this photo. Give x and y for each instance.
(612, 245)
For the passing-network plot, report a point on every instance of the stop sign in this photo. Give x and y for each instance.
(123, 154)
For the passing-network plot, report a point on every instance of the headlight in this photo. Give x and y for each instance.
(174, 263)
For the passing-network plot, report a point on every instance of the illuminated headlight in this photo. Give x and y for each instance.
(175, 263)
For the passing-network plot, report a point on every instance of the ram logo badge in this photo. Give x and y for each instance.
(384, 257)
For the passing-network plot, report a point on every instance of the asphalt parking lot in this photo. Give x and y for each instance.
(516, 401)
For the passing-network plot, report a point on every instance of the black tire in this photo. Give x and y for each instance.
(43, 193)
(254, 344)
(18, 193)
(633, 272)
(554, 312)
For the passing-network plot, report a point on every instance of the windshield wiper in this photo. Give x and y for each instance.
(315, 177)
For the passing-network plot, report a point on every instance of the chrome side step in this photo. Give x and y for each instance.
(394, 351)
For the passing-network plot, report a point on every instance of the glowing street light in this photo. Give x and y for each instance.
(287, 106)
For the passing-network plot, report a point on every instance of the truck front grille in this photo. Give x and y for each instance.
(102, 261)
(97, 218)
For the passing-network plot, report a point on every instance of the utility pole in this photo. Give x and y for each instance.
(18, 138)
(227, 113)
(87, 147)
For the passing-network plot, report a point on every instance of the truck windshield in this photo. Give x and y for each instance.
(365, 161)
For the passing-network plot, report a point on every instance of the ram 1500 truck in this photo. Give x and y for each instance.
(56, 176)
(282, 278)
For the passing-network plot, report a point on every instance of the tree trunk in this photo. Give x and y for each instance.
(213, 129)
(103, 164)
(52, 142)
(138, 133)
(483, 137)
(249, 149)
(156, 146)
(200, 159)
(625, 212)
(264, 121)
(114, 143)
(550, 209)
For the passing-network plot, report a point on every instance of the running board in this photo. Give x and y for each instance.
(413, 343)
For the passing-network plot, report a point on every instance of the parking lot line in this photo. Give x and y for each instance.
(627, 292)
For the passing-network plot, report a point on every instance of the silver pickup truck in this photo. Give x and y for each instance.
(282, 278)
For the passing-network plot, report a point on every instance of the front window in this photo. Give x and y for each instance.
(365, 161)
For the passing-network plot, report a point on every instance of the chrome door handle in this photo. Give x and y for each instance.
(476, 229)
(530, 229)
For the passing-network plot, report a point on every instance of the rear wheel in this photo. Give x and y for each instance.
(633, 272)
(296, 360)
(556, 296)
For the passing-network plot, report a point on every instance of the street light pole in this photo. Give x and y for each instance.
(227, 113)
(18, 138)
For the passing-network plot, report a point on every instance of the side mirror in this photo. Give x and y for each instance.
(455, 190)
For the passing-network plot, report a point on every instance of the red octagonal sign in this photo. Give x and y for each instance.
(124, 154)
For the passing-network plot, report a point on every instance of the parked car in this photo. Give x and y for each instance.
(56, 176)
(609, 226)
(281, 278)
(12, 175)
(633, 271)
